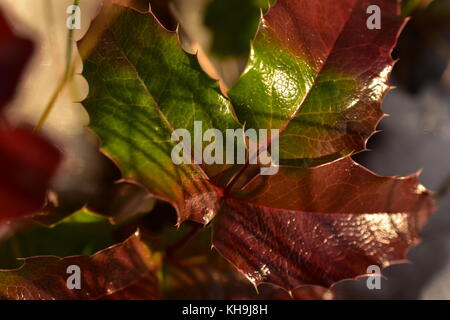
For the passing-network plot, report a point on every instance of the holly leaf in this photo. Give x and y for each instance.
(320, 225)
(106, 273)
(318, 74)
(135, 113)
(319, 83)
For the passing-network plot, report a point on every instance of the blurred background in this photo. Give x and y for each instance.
(415, 137)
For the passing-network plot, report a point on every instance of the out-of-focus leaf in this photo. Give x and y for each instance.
(14, 54)
(161, 9)
(80, 233)
(320, 84)
(409, 6)
(423, 48)
(128, 201)
(145, 289)
(121, 201)
(106, 273)
(27, 163)
(233, 24)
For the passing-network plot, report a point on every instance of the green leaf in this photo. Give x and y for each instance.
(320, 83)
(143, 87)
(409, 6)
(317, 73)
(80, 233)
(233, 24)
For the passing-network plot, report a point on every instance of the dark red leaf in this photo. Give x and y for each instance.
(27, 163)
(14, 54)
(320, 225)
(106, 273)
(318, 75)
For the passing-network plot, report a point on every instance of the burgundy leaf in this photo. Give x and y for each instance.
(318, 75)
(320, 225)
(14, 53)
(109, 272)
(27, 163)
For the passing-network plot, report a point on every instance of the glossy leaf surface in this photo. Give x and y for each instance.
(135, 112)
(318, 73)
(320, 225)
(320, 83)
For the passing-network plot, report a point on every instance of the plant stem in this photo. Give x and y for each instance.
(68, 72)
